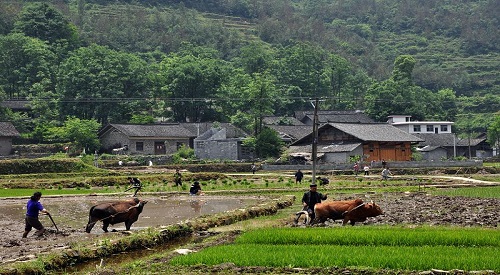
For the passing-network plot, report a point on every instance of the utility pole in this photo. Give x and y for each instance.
(315, 140)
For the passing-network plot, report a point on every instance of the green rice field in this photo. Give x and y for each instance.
(420, 248)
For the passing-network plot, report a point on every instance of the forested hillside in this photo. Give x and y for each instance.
(239, 60)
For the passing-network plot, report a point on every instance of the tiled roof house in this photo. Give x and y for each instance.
(7, 133)
(337, 142)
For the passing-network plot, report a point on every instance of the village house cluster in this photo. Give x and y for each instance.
(342, 136)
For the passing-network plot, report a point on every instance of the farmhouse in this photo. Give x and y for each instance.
(215, 144)
(405, 123)
(215, 140)
(448, 146)
(152, 139)
(438, 141)
(7, 133)
(338, 142)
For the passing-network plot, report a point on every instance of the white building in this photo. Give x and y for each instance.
(405, 123)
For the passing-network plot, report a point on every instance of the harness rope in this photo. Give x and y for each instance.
(348, 211)
(304, 211)
(114, 215)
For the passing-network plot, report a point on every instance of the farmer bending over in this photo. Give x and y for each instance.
(136, 183)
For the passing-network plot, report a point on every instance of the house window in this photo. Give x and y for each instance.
(416, 128)
(200, 144)
(444, 128)
(139, 146)
(430, 128)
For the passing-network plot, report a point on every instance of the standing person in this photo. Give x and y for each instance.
(386, 173)
(33, 208)
(384, 163)
(311, 198)
(177, 178)
(254, 168)
(356, 168)
(298, 176)
(195, 189)
(367, 170)
(136, 183)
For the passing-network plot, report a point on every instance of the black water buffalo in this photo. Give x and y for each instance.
(115, 212)
(351, 211)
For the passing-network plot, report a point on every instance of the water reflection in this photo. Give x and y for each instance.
(72, 212)
(196, 204)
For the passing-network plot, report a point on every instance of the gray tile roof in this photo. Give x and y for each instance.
(197, 129)
(8, 130)
(446, 140)
(333, 148)
(152, 130)
(20, 105)
(375, 132)
(276, 120)
(295, 132)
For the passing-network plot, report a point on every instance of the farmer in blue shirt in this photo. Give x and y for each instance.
(34, 207)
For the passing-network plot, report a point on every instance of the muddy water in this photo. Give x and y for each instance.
(70, 214)
(165, 210)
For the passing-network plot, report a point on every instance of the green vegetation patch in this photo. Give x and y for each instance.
(307, 256)
(473, 192)
(375, 236)
(421, 248)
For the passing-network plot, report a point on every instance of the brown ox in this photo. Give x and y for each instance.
(352, 210)
(115, 212)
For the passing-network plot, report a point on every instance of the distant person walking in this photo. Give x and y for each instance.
(356, 168)
(254, 168)
(33, 208)
(384, 163)
(366, 168)
(177, 178)
(386, 173)
(299, 176)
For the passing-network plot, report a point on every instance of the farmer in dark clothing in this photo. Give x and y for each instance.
(195, 189)
(136, 183)
(298, 176)
(177, 178)
(311, 198)
(33, 208)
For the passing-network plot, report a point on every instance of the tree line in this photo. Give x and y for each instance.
(200, 73)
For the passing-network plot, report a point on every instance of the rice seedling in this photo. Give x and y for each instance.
(394, 248)
(473, 192)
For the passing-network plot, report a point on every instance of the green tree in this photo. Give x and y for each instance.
(447, 104)
(249, 98)
(403, 69)
(26, 66)
(494, 133)
(82, 133)
(190, 80)
(255, 58)
(141, 119)
(268, 143)
(42, 21)
(301, 71)
(96, 82)
(398, 95)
